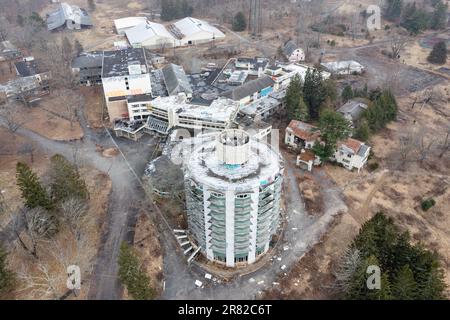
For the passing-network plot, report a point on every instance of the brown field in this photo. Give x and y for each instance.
(48, 120)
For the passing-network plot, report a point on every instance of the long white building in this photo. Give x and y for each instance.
(233, 195)
(124, 24)
(150, 35)
(191, 31)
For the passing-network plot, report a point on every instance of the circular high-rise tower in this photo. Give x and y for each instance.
(233, 196)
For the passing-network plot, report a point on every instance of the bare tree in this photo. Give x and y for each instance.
(41, 283)
(5, 28)
(406, 146)
(72, 103)
(445, 145)
(57, 60)
(39, 225)
(27, 149)
(11, 117)
(47, 278)
(346, 268)
(73, 212)
(397, 44)
(424, 145)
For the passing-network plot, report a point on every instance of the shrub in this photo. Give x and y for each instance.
(373, 166)
(428, 204)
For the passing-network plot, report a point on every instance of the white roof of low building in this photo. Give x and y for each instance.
(66, 12)
(146, 31)
(343, 66)
(221, 109)
(301, 70)
(189, 26)
(129, 22)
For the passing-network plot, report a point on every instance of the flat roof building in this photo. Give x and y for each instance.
(124, 74)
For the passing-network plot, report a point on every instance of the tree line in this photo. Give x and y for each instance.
(416, 19)
(175, 9)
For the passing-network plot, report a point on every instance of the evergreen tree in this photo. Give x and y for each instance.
(382, 111)
(409, 271)
(393, 9)
(415, 20)
(439, 16)
(358, 289)
(301, 112)
(239, 22)
(333, 127)
(65, 180)
(33, 193)
(323, 151)
(295, 105)
(439, 53)
(132, 276)
(405, 287)
(347, 93)
(362, 132)
(186, 9)
(313, 92)
(7, 277)
(175, 9)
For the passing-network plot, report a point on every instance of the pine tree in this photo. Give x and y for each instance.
(132, 276)
(393, 9)
(239, 22)
(65, 180)
(404, 287)
(362, 132)
(439, 53)
(358, 288)
(439, 16)
(347, 93)
(316, 91)
(7, 277)
(294, 100)
(33, 193)
(414, 20)
(301, 112)
(333, 127)
(409, 272)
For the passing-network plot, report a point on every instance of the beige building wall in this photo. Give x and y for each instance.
(117, 109)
